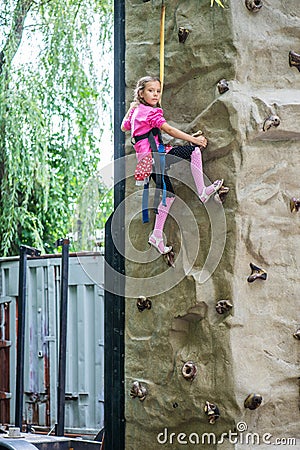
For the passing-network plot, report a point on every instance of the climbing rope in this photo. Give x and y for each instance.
(162, 45)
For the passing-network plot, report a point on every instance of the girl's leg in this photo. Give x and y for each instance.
(193, 154)
(204, 192)
(196, 169)
(156, 238)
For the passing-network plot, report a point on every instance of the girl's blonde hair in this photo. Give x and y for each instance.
(140, 86)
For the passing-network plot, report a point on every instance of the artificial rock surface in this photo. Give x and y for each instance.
(251, 349)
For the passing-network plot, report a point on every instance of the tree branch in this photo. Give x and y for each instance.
(14, 37)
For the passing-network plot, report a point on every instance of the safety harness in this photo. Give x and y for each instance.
(158, 153)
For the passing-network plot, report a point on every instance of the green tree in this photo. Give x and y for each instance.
(50, 115)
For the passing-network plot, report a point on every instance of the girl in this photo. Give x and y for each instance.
(144, 116)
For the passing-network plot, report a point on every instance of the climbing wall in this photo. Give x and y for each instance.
(219, 333)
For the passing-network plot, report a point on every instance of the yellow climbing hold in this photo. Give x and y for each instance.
(217, 1)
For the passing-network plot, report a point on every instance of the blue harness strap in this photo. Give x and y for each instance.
(145, 212)
(162, 152)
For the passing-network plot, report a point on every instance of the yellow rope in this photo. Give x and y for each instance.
(162, 46)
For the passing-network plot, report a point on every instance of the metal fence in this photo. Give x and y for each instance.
(84, 399)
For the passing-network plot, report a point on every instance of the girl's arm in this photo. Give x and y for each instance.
(174, 132)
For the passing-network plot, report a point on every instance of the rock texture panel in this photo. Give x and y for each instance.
(250, 349)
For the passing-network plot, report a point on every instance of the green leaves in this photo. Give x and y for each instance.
(51, 122)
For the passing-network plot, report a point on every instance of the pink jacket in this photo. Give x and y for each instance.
(141, 120)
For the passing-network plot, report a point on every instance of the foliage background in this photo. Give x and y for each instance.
(54, 106)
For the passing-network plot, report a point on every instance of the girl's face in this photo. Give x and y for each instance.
(151, 93)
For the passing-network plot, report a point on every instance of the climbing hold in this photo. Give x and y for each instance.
(257, 272)
(223, 86)
(183, 34)
(297, 334)
(197, 133)
(271, 121)
(253, 5)
(294, 60)
(189, 370)
(295, 204)
(221, 195)
(223, 306)
(212, 411)
(138, 390)
(143, 303)
(253, 401)
(170, 258)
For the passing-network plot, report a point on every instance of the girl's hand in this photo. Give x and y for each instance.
(200, 140)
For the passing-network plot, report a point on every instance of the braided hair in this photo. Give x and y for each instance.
(140, 86)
